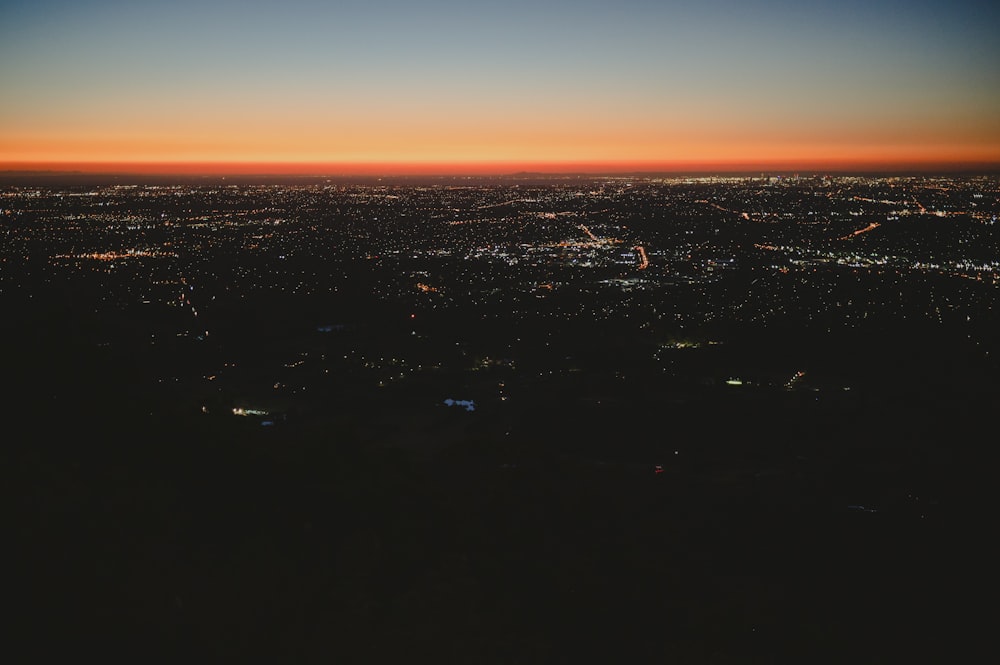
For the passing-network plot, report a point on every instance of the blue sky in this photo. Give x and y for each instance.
(633, 80)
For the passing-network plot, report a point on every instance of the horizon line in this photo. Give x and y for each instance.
(482, 168)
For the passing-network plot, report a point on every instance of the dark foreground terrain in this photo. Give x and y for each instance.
(779, 531)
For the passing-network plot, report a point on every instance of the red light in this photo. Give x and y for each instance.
(413, 316)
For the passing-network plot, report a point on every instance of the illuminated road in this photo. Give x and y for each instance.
(870, 227)
(643, 259)
(744, 215)
(590, 233)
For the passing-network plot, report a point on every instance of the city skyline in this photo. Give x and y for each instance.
(443, 87)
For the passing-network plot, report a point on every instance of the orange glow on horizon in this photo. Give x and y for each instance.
(420, 145)
(395, 88)
(486, 168)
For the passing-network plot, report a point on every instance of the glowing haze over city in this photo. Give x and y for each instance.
(445, 86)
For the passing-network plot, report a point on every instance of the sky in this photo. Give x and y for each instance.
(448, 86)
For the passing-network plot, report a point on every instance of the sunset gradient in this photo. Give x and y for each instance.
(442, 86)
